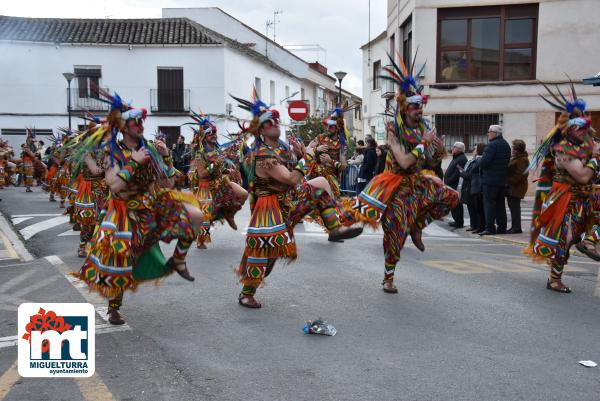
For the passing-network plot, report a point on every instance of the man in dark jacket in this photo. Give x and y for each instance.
(367, 168)
(452, 177)
(494, 164)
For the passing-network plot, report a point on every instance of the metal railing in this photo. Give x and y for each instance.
(349, 176)
(169, 100)
(83, 99)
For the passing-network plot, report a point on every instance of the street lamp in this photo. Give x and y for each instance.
(69, 77)
(289, 97)
(340, 75)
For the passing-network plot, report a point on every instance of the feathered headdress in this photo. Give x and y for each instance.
(120, 111)
(205, 128)
(409, 90)
(572, 113)
(261, 113)
(336, 117)
(30, 132)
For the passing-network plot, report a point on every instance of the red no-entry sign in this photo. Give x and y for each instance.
(298, 110)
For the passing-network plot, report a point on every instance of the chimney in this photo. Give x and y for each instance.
(318, 67)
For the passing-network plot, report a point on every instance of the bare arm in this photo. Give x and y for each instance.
(91, 164)
(404, 159)
(115, 183)
(582, 174)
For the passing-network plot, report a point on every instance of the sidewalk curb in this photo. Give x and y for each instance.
(15, 241)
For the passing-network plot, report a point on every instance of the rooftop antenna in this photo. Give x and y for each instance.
(268, 24)
(276, 21)
(369, 51)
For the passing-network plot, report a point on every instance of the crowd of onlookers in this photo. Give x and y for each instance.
(494, 177)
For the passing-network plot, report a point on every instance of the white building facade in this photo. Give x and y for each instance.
(168, 66)
(317, 86)
(374, 104)
(484, 59)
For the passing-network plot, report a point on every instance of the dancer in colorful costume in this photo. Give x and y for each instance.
(219, 196)
(275, 172)
(139, 212)
(28, 150)
(328, 150)
(405, 198)
(563, 207)
(91, 191)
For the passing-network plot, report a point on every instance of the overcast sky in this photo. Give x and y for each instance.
(339, 26)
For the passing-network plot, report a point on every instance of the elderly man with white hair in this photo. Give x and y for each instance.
(494, 164)
(452, 178)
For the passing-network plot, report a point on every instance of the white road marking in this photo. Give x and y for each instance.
(16, 280)
(95, 299)
(68, 233)
(11, 341)
(34, 286)
(18, 220)
(436, 231)
(37, 215)
(33, 229)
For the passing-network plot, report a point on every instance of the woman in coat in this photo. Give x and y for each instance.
(516, 182)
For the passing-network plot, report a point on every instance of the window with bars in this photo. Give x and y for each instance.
(487, 43)
(469, 129)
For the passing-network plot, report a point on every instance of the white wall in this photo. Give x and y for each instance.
(31, 80)
(215, 19)
(372, 98)
(242, 70)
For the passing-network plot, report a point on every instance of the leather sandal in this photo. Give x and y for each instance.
(416, 237)
(114, 317)
(343, 233)
(389, 287)
(183, 272)
(248, 301)
(558, 286)
(231, 221)
(588, 248)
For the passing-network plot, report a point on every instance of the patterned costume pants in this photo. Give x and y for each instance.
(28, 173)
(412, 208)
(252, 269)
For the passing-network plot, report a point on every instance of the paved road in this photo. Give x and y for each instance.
(472, 321)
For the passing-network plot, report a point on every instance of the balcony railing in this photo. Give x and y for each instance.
(86, 99)
(169, 100)
(387, 89)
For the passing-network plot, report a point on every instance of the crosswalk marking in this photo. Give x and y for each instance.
(37, 215)
(33, 229)
(68, 233)
(19, 220)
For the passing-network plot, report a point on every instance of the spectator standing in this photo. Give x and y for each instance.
(381, 152)
(494, 164)
(516, 182)
(452, 178)
(179, 153)
(472, 190)
(367, 168)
